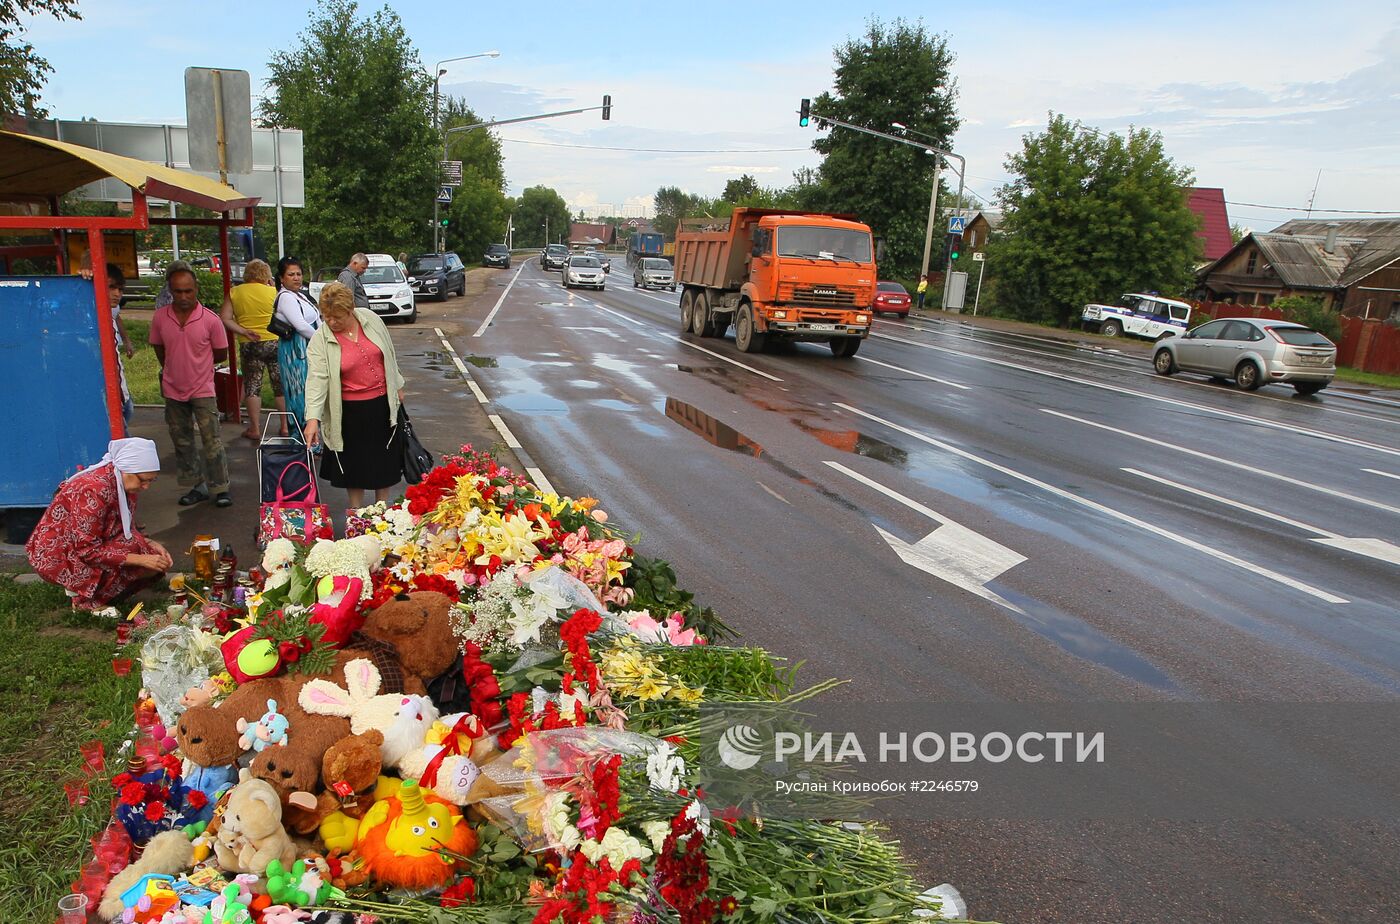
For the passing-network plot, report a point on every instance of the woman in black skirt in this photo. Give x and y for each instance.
(353, 389)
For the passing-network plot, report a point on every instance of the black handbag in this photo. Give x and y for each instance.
(280, 328)
(417, 461)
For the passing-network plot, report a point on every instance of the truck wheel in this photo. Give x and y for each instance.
(845, 347)
(687, 310)
(719, 323)
(700, 323)
(1111, 329)
(746, 337)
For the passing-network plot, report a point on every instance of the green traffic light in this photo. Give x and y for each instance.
(444, 222)
(804, 121)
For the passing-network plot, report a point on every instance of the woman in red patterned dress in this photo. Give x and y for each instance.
(85, 542)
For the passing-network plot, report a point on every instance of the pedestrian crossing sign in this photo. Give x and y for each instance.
(956, 224)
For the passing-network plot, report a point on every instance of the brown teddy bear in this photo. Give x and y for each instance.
(418, 626)
(294, 775)
(350, 771)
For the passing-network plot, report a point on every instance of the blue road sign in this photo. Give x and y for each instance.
(955, 224)
(444, 194)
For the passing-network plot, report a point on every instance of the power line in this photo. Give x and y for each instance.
(1296, 208)
(601, 147)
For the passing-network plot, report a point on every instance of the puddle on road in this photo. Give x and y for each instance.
(857, 443)
(532, 403)
(481, 362)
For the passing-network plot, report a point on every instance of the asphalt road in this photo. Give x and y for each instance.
(1094, 532)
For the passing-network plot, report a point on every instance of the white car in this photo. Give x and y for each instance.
(1138, 315)
(583, 271)
(390, 295)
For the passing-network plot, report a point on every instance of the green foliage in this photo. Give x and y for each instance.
(654, 583)
(895, 73)
(355, 86)
(211, 289)
(1088, 217)
(535, 206)
(742, 188)
(1309, 310)
(479, 209)
(23, 72)
(671, 204)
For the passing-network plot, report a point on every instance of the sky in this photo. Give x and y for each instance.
(1268, 100)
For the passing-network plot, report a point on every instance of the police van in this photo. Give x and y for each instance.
(1138, 315)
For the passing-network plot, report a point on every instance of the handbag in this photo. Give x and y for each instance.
(417, 461)
(304, 520)
(279, 326)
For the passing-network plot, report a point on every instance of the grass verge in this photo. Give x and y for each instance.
(57, 691)
(143, 372)
(1376, 379)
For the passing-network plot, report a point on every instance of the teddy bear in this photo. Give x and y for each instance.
(350, 770)
(418, 625)
(270, 729)
(251, 835)
(295, 776)
(211, 750)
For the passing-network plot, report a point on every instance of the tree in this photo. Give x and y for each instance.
(537, 206)
(1088, 217)
(671, 204)
(739, 190)
(23, 72)
(1238, 233)
(355, 87)
(896, 73)
(479, 209)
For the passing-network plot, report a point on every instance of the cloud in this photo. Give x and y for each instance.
(742, 170)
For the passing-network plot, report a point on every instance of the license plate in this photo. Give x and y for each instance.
(823, 327)
(1313, 360)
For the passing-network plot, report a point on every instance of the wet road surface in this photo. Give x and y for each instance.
(959, 515)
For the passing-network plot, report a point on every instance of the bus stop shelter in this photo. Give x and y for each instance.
(35, 173)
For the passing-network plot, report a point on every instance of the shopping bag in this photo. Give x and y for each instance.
(417, 461)
(275, 453)
(286, 517)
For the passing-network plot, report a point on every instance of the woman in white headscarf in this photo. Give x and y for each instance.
(85, 542)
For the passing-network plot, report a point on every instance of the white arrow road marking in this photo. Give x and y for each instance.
(952, 552)
(1106, 511)
(1239, 465)
(1372, 548)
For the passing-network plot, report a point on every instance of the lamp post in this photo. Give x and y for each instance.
(437, 77)
(933, 204)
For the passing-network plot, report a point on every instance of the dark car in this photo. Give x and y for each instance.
(496, 255)
(554, 256)
(891, 298)
(437, 275)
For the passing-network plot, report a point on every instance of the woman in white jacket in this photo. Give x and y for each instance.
(295, 307)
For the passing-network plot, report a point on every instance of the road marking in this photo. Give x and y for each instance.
(502, 429)
(951, 552)
(1376, 471)
(1174, 402)
(540, 481)
(693, 346)
(499, 302)
(1372, 548)
(1239, 465)
(1106, 511)
(476, 390)
(774, 493)
(441, 335)
(921, 375)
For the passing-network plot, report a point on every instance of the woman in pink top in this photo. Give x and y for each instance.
(353, 388)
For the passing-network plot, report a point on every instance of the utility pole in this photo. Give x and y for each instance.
(437, 76)
(962, 171)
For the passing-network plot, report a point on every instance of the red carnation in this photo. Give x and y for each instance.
(155, 811)
(197, 799)
(133, 794)
(120, 780)
(171, 763)
(459, 894)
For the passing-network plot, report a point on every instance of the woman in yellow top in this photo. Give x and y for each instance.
(247, 309)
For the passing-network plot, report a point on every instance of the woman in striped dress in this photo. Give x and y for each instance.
(296, 308)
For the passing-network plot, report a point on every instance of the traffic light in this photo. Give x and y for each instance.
(445, 220)
(952, 250)
(607, 107)
(804, 115)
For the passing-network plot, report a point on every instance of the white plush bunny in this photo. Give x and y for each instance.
(359, 700)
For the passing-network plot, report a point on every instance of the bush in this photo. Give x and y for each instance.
(211, 289)
(1302, 309)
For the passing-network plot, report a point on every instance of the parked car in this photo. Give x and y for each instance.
(653, 272)
(437, 274)
(891, 298)
(604, 260)
(496, 255)
(1253, 352)
(554, 256)
(1138, 315)
(580, 270)
(390, 295)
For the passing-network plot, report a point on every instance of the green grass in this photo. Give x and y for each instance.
(57, 691)
(142, 370)
(1378, 379)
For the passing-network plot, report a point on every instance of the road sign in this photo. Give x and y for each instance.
(978, 257)
(219, 111)
(956, 223)
(444, 194)
(451, 172)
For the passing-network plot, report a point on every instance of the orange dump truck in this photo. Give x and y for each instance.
(778, 275)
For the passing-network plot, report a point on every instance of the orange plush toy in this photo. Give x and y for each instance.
(406, 837)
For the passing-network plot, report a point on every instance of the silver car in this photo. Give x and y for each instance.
(583, 271)
(653, 272)
(1253, 352)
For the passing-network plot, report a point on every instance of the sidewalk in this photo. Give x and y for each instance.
(445, 416)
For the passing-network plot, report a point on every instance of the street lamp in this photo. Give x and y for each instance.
(933, 200)
(437, 77)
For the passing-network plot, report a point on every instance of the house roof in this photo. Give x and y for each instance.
(990, 216)
(582, 232)
(1376, 242)
(1208, 202)
(1302, 261)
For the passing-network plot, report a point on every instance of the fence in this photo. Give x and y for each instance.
(1371, 346)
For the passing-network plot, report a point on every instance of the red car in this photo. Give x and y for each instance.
(891, 298)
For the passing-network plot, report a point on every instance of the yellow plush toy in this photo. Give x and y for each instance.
(409, 838)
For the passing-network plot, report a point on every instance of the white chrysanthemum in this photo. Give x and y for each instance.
(617, 845)
(665, 768)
